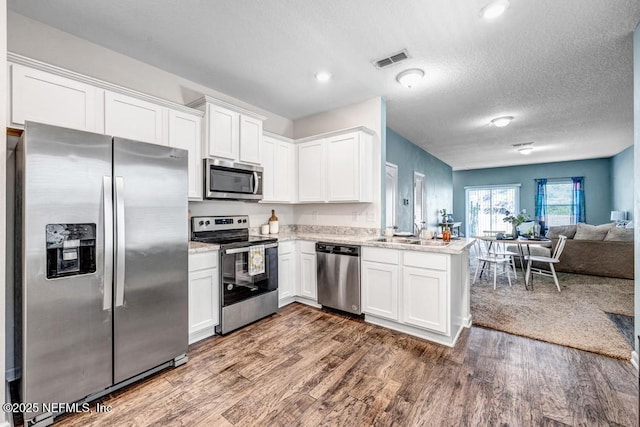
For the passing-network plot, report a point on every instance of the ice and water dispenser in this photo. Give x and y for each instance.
(71, 249)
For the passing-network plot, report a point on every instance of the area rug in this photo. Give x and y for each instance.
(575, 317)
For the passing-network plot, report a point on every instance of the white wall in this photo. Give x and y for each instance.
(36, 40)
(636, 179)
(364, 215)
(3, 185)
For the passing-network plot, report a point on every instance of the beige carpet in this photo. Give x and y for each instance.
(574, 317)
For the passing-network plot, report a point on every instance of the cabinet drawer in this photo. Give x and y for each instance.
(425, 260)
(387, 256)
(285, 248)
(307, 247)
(203, 260)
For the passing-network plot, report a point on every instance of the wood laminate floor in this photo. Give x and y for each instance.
(305, 366)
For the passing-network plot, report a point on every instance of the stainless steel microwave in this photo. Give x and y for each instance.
(224, 179)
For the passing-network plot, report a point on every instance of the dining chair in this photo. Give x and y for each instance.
(486, 259)
(553, 259)
(499, 248)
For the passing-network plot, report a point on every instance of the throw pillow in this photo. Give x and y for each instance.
(592, 232)
(567, 230)
(620, 235)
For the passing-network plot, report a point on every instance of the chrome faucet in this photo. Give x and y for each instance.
(417, 229)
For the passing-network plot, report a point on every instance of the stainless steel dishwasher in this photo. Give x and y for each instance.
(339, 276)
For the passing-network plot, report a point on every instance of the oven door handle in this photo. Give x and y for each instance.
(245, 249)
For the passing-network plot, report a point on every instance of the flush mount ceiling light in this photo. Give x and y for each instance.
(501, 122)
(494, 9)
(525, 148)
(410, 78)
(323, 76)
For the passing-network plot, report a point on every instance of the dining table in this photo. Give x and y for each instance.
(522, 243)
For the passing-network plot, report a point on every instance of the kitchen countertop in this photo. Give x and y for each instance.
(456, 247)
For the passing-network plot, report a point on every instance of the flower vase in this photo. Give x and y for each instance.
(514, 232)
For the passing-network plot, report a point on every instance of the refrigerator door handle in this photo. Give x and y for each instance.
(119, 270)
(107, 205)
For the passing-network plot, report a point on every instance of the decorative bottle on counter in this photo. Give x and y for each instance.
(273, 223)
(446, 234)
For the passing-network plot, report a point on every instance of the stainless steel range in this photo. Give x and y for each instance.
(248, 269)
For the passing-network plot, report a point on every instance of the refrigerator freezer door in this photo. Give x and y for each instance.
(66, 323)
(151, 309)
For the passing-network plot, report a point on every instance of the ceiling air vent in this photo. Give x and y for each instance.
(392, 59)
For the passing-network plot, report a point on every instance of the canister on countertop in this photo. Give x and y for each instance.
(274, 225)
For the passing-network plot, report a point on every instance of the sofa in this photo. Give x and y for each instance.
(596, 250)
(602, 250)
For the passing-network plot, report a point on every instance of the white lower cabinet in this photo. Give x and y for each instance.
(286, 272)
(307, 281)
(380, 294)
(204, 295)
(425, 299)
(409, 288)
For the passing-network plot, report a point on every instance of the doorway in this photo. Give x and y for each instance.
(391, 194)
(419, 202)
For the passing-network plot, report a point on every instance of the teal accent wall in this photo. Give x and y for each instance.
(622, 182)
(597, 184)
(438, 176)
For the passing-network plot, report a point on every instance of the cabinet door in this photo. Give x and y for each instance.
(311, 171)
(46, 98)
(425, 301)
(284, 172)
(184, 132)
(133, 118)
(343, 168)
(204, 302)
(380, 289)
(250, 139)
(286, 275)
(223, 135)
(308, 276)
(268, 156)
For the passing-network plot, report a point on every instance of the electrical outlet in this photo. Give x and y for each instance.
(354, 216)
(314, 216)
(371, 216)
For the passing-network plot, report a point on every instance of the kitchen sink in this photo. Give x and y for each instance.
(411, 241)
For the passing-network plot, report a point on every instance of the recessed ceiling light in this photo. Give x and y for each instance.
(525, 148)
(410, 78)
(494, 9)
(323, 76)
(501, 122)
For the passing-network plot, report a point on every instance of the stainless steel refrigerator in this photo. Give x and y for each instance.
(102, 268)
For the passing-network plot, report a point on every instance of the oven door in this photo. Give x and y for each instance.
(225, 179)
(237, 284)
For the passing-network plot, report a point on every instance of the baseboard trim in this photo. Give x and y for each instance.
(437, 338)
(308, 302)
(634, 360)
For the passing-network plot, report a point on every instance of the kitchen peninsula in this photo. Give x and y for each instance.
(419, 288)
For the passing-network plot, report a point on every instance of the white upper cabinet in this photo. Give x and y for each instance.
(336, 168)
(133, 118)
(185, 132)
(250, 139)
(230, 132)
(278, 161)
(48, 98)
(312, 169)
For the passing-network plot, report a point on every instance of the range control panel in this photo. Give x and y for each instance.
(218, 223)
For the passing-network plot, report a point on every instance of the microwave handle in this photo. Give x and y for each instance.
(256, 179)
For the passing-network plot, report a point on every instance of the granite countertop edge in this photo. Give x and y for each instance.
(455, 248)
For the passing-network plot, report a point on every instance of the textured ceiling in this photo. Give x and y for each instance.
(563, 69)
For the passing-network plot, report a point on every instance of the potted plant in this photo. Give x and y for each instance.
(516, 220)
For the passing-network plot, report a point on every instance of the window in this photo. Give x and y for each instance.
(486, 207)
(559, 202)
